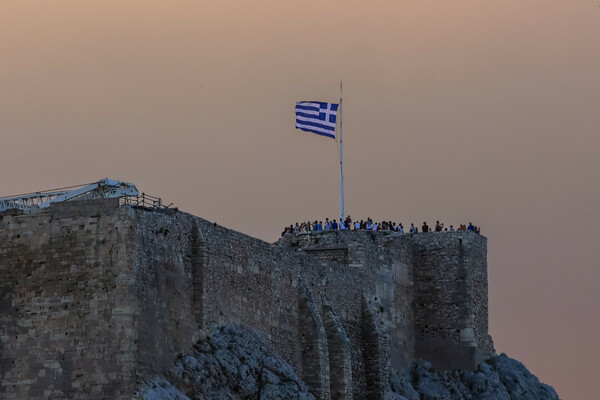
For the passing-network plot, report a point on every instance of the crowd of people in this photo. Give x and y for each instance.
(370, 225)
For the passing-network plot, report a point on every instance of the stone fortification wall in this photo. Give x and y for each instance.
(451, 319)
(163, 280)
(191, 274)
(66, 321)
(366, 280)
(249, 282)
(428, 292)
(340, 326)
(95, 297)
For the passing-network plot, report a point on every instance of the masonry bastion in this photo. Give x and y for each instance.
(95, 297)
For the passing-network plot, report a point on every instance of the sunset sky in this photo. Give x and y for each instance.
(458, 111)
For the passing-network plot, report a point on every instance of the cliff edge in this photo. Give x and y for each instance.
(235, 364)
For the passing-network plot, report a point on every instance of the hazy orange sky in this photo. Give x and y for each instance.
(482, 111)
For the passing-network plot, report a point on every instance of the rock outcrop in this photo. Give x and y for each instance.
(231, 364)
(498, 378)
(235, 364)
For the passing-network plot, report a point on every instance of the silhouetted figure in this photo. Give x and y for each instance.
(348, 222)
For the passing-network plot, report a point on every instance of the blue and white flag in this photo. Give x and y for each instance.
(316, 117)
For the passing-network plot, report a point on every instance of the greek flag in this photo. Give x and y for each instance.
(316, 117)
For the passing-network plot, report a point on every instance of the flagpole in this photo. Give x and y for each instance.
(341, 161)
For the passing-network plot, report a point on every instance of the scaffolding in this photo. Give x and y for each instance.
(106, 188)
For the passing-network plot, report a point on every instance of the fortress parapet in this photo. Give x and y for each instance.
(95, 296)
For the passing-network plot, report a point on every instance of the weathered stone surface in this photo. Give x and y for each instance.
(498, 378)
(234, 363)
(96, 297)
(451, 300)
(68, 313)
(159, 389)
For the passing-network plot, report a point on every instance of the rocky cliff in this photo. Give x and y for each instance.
(232, 364)
(235, 364)
(498, 378)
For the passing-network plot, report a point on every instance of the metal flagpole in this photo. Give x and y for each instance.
(341, 161)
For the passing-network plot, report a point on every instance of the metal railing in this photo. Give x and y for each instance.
(144, 200)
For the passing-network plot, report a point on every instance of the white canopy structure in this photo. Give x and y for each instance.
(103, 189)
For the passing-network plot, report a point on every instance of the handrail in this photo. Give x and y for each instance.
(144, 200)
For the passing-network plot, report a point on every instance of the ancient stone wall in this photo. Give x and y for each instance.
(252, 283)
(450, 272)
(163, 279)
(366, 280)
(66, 319)
(95, 297)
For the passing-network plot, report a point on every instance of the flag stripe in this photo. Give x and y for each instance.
(316, 130)
(309, 106)
(310, 103)
(306, 115)
(306, 106)
(312, 125)
(312, 121)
